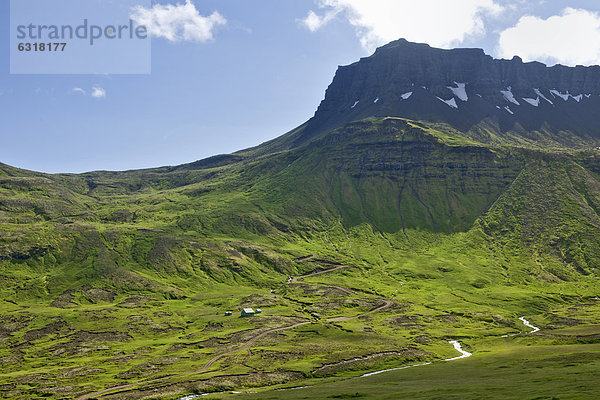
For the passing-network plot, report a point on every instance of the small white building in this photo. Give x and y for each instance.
(247, 312)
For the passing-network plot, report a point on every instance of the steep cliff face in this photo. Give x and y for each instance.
(464, 88)
(398, 176)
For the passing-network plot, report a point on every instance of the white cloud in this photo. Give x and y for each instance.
(571, 38)
(314, 22)
(439, 23)
(178, 22)
(98, 92)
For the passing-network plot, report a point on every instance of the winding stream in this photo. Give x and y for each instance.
(393, 369)
(528, 324)
(458, 347)
(455, 343)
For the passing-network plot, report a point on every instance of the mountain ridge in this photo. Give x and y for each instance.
(464, 88)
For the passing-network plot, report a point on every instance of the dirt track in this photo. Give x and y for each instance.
(245, 346)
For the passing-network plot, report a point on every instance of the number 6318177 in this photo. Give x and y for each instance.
(42, 46)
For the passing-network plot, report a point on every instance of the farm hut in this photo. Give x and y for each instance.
(258, 311)
(228, 313)
(247, 312)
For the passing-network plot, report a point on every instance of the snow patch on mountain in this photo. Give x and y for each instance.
(537, 91)
(451, 102)
(406, 95)
(460, 91)
(533, 102)
(565, 96)
(509, 96)
(355, 104)
(507, 108)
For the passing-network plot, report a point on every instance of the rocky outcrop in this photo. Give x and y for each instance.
(462, 87)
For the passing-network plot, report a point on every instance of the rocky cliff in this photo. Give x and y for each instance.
(467, 89)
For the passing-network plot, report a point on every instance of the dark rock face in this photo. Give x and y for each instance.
(462, 87)
(399, 177)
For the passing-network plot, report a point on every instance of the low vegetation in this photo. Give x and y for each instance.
(122, 280)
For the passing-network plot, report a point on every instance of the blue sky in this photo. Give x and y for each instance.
(256, 74)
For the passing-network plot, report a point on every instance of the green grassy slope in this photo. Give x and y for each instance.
(109, 278)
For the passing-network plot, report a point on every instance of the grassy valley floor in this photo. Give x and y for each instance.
(335, 320)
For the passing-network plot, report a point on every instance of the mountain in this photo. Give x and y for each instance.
(409, 211)
(488, 100)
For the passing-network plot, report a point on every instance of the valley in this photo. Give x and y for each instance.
(397, 248)
(167, 348)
